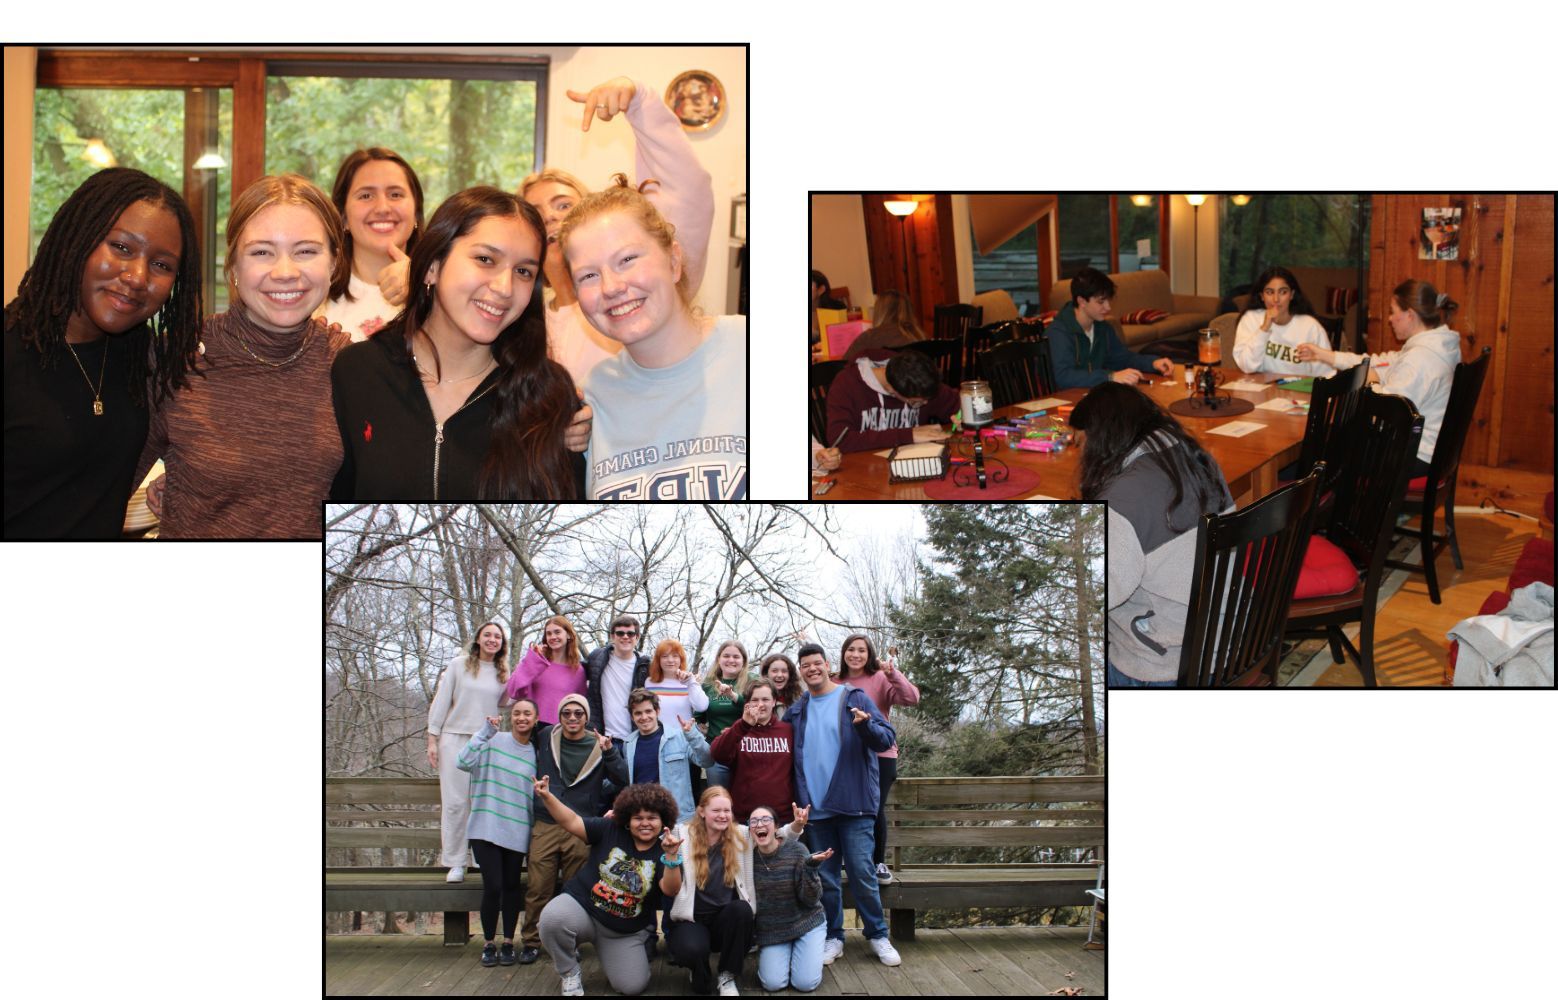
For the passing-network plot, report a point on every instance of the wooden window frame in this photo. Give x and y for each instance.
(246, 72)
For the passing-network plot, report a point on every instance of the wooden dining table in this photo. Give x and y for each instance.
(1249, 463)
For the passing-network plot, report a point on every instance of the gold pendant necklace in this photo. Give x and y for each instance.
(97, 392)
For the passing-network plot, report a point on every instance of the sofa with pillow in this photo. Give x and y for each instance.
(1145, 309)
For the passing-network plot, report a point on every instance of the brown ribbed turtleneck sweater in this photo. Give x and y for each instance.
(250, 449)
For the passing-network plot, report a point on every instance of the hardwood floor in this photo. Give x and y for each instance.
(1410, 647)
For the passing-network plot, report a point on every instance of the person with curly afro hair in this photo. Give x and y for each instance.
(613, 898)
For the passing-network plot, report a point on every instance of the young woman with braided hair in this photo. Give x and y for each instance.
(105, 325)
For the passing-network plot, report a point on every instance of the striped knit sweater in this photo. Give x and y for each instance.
(789, 893)
(250, 449)
(503, 775)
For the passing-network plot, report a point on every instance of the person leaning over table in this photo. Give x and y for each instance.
(1276, 324)
(883, 399)
(1424, 367)
(1157, 482)
(1084, 347)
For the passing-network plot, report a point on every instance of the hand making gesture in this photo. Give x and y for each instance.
(544, 786)
(799, 823)
(669, 844)
(821, 856)
(495, 722)
(603, 741)
(687, 726)
(890, 664)
(859, 715)
(605, 100)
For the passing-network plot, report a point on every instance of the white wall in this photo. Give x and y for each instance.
(838, 245)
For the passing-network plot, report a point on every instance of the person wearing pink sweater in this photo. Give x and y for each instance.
(887, 686)
(550, 671)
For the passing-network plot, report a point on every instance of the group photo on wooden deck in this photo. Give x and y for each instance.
(714, 750)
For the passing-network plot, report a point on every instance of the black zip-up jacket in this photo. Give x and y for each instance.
(394, 450)
(595, 666)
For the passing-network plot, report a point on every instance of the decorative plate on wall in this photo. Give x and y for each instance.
(697, 98)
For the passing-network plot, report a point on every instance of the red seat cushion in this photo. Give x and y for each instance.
(1420, 484)
(1326, 571)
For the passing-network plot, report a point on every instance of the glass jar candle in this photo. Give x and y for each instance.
(1211, 352)
(978, 404)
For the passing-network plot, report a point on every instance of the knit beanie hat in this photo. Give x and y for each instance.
(577, 699)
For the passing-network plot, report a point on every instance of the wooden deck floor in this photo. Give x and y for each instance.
(996, 961)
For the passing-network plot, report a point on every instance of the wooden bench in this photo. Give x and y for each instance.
(1063, 813)
(379, 815)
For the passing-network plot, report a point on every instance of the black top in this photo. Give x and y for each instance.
(389, 435)
(619, 885)
(68, 472)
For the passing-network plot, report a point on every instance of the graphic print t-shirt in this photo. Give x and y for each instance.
(619, 885)
(676, 433)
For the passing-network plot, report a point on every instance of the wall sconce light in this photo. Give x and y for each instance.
(1240, 199)
(900, 208)
(211, 161)
(1141, 200)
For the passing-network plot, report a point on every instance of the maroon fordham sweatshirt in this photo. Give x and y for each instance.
(873, 419)
(762, 760)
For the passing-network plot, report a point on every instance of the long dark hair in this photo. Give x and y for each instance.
(1298, 305)
(526, 459)
(871, 667)
(343, 187)
(1117, 419)
(165, 346)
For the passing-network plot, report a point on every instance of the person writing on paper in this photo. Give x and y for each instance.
(1424, 367)
(1272, 329)
(825, 459)
(883, 399)
(1157, 482)
(1084, 347)
(893, 325)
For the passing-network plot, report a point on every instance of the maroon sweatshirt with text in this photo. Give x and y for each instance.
(872, 418)
(762, 762)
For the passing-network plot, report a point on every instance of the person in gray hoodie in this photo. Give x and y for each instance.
(1157, 483)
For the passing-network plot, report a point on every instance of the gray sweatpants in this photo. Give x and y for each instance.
(564, 923)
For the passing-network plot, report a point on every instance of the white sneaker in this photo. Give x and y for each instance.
(831, 948)
(885, 951)
(456, 874)
(573, 984)
(884, 875)
(727, 985)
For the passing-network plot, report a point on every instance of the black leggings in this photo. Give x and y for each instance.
(887, 773)
(500, 870)
(728, 930)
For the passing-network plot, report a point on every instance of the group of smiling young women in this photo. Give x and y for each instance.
(750, 882)
(468, 386)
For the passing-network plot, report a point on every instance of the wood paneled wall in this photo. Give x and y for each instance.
(923, 242)
(1503, 281)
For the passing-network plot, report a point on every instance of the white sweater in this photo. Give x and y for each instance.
(463, 702)
(1422, 372)
(1255, 350)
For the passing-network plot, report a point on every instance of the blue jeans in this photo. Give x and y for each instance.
(718, 774)
(797, 964)
(852, 838)
(1119, 680)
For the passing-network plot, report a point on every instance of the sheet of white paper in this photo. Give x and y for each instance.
(882, 454)
(1236, 428)
(1042, 404)
(1283, 406)
(1243, 385)
(1144, 248)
